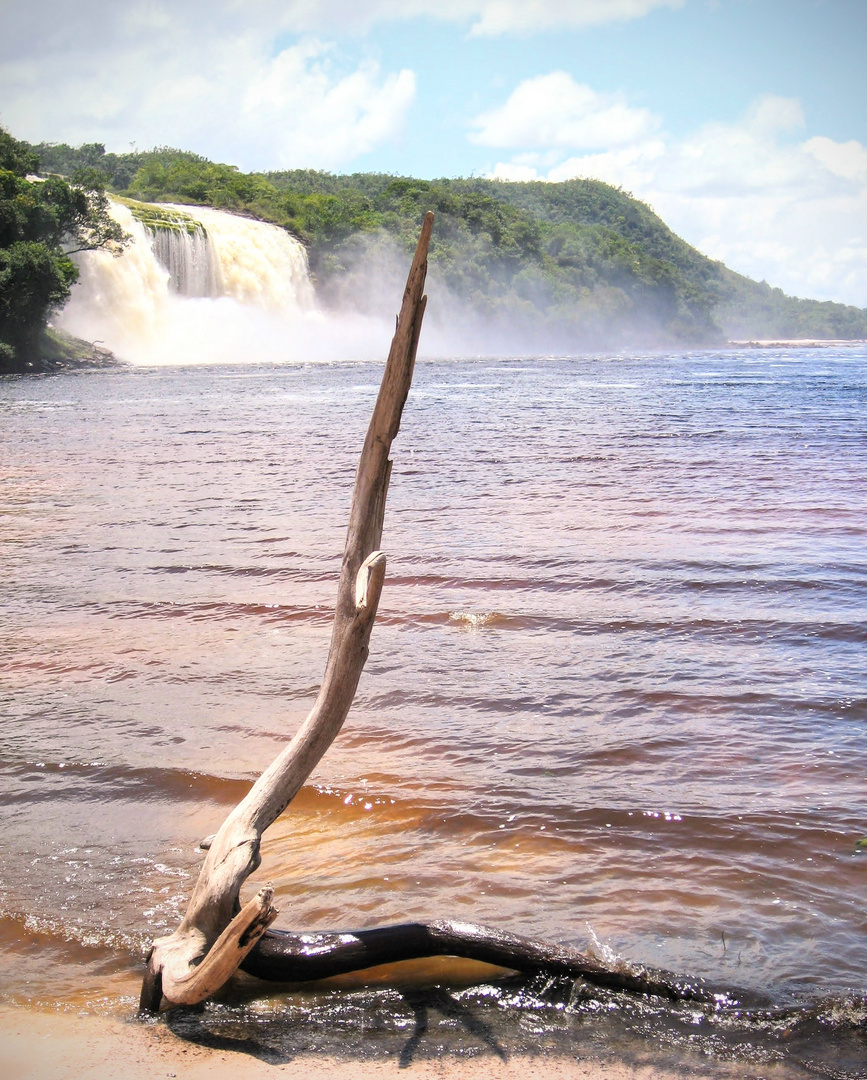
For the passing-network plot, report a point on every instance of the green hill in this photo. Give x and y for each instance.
(571, 265)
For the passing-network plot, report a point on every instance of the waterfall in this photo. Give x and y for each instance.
(196, 285)
(188, 255)
(255, 263)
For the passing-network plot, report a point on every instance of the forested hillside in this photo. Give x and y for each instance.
(575, 264)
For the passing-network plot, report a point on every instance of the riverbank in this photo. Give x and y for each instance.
(59, 351)
(77, 1046)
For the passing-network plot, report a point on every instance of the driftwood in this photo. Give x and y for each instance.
(217, 935)
(281, 956)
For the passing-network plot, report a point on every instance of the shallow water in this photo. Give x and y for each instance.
(616, 693)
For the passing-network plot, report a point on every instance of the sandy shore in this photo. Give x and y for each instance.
(72, 1046)
(66, 1046)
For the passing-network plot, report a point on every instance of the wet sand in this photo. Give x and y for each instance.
(73, 1046)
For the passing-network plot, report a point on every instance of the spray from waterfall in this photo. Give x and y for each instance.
(199, 285)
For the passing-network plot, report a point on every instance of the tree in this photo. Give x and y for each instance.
(42, 224)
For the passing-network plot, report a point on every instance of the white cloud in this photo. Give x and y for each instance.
(182, 21)
(847, 159)
(212, 79)
(793, 213)
(553, 111)
(524, 16)
(486, 17)
(247, 81)
(771, 113)
(330, 121)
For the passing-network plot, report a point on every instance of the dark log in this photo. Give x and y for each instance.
(281, 956)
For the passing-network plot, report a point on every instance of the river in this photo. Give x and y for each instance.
(616, 694)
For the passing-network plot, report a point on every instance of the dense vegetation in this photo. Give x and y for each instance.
(556, 265)
(42, 223)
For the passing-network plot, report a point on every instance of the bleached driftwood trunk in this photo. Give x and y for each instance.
(217, 935)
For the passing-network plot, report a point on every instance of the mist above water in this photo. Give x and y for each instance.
(223, 289)
(201, 286)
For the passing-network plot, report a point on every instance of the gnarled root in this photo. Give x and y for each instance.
(184, 983)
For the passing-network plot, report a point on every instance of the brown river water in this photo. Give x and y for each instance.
(616, 694)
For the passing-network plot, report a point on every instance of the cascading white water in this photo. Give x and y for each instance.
(120, 301)
(211, 287)
(255, 263)
(188, 255)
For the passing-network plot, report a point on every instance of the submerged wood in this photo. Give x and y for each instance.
(281, 956)
(217, 935)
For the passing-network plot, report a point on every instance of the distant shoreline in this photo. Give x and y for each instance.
(797, 343)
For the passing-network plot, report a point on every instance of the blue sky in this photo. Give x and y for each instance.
(742, 122)
(700, 62)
